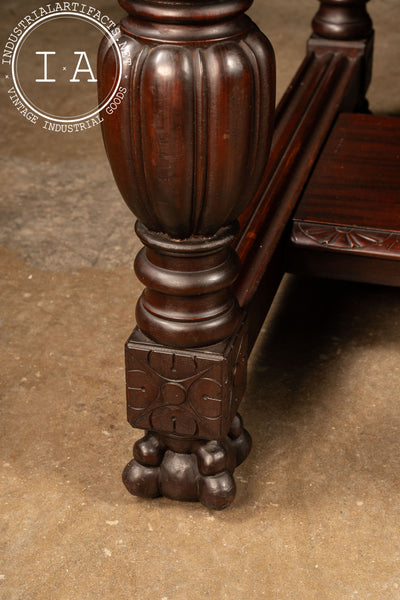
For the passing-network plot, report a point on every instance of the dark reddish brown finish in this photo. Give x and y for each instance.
(188, 148)
(327, 82)
(189, 153)
(344, 266)
(356, 180)
(333, 78)
(342, 20)
(186, 393)
(351, 205)
(188, 301)
(188, 471)
(376, 243)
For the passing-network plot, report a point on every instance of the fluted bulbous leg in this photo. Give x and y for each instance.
(188, 147)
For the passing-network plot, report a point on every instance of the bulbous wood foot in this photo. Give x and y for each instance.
(193, 470)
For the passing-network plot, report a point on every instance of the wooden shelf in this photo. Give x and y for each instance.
(347, 224)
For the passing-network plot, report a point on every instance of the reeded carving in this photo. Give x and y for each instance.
(189, 149)
(188, 146)
(342, 20)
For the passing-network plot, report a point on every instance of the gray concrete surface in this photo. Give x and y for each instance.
(317, 515)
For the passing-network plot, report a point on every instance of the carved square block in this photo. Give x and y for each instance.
(189, 393)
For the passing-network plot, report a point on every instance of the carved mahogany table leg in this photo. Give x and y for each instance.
(188, 147)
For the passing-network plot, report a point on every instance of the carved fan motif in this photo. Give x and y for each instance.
(347, 238)
(343, 237)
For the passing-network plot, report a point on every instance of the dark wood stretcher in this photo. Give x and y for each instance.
(230, 194)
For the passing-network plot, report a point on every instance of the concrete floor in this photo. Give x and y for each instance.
(317, 515)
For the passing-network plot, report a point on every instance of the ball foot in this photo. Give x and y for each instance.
(201, 470)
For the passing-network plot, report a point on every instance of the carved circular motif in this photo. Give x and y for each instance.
(173, 419)
(172, 366)
(143, 387)
(205, 397)
(173, 393)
